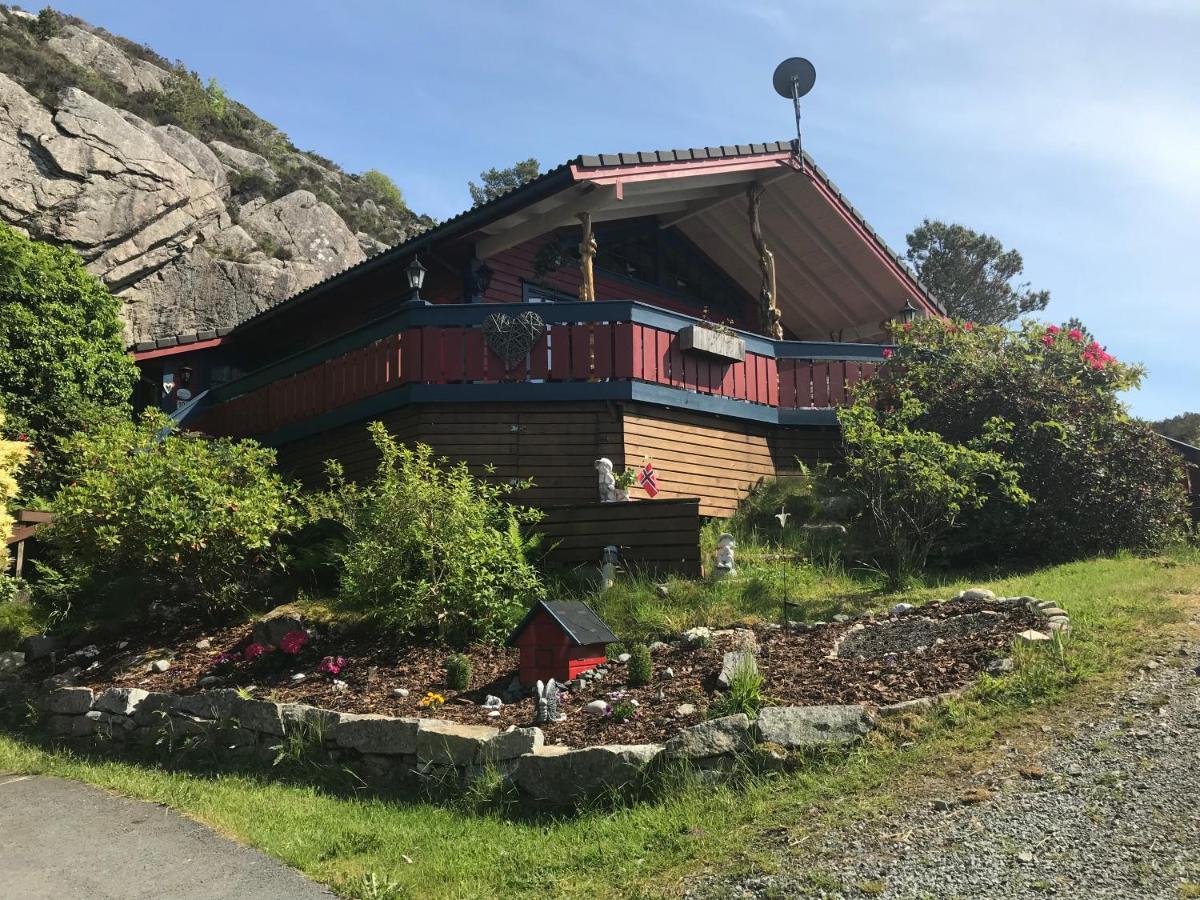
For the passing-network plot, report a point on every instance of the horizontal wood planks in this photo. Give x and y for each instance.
(717, 460)
(653, 535)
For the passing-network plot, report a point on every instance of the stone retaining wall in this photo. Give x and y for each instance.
(399, 749)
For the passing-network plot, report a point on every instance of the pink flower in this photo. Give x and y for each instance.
(1075, 334)
(253, 651)
(1053, 329)
(970, 326)
(292, 642)
(908, 326)
(888, 353)
(1048, 340)
(331, 665)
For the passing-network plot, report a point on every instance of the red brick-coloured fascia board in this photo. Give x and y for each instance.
(618, 175)
(142, 355)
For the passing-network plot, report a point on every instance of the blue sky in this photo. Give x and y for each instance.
(1071, 130)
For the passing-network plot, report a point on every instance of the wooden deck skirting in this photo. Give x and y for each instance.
(660, 536)
(592, 348)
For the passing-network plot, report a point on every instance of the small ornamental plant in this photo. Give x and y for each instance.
(293, 642)
(458, 672)
(253, 651)
(625, 479)
(431, 700)
(623, 710)
(640, 668)
(331, 665)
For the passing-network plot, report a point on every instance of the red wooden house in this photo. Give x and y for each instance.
(560, 641)
(571, 319)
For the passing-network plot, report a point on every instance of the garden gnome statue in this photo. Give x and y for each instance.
(547, 703)
(609, 557)
(725, 566)
(609, 492)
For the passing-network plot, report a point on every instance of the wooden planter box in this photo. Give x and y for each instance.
(699, 339)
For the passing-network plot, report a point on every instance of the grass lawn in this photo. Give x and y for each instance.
(376, 848)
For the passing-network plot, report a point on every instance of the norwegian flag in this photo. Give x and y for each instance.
(648, 480)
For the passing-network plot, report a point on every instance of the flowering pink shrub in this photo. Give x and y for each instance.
(332, 665)
(253, 651)
(293, 642)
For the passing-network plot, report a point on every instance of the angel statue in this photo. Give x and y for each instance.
(725, 565)
(547, 703)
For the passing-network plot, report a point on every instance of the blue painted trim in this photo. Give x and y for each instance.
(546, 392)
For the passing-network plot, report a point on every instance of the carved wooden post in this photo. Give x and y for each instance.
(587, 252)
(769, 315)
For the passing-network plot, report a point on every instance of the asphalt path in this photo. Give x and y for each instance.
(65, 840)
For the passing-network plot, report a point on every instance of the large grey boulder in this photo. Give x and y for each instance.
(305, 228)
(72, 701)
(245, 162)
(376, 734)
(271, 628)
(452, 743)
(511, 744)
(735, 661)
(156, 707)
(261, 716)
(716, 737)
(120, 701)
(39, 646)
(557, 775)
(90, 51)
(799, 727)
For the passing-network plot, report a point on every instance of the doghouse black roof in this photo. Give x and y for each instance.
(582, 625)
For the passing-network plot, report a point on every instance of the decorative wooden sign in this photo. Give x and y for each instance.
(512, 337)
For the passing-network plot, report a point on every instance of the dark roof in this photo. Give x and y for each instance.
(582, 625)
(1186, 450)
(547, 183)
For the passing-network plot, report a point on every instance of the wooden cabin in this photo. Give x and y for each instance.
(705, 309)
(560, 640)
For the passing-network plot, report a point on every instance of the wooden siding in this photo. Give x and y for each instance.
(552, 444)
(718, 460)
(654, 535)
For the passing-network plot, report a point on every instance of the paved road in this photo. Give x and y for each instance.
(64, 840)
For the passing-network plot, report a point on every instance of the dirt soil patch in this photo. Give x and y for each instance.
(878, 662)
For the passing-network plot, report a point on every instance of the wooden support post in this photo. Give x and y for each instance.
(587, 252)
(770, 318)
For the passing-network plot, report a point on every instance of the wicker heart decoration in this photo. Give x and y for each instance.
(512, 337)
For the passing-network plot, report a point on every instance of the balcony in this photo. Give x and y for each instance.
(540, 353)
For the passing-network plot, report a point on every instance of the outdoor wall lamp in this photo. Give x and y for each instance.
(416, 278)
(908, 313)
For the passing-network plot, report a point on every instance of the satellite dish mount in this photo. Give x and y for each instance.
(793, 79)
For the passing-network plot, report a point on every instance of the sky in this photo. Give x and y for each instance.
(1070, 130)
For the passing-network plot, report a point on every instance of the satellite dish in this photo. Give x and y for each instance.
(794, 78)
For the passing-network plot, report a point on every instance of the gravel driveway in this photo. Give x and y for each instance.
(1113, 812)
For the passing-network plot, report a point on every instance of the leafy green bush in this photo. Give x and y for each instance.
(458, 672)
(155, 515)
(640, 667)
(433, 551)
(1099, 481)
(914, 485)
(16, 620)
(62, 355)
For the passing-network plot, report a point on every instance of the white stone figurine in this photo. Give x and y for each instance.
(725, 565)
(547, 703)
(610, 556)
(609, 492)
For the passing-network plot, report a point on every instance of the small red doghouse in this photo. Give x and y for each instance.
(559, 641)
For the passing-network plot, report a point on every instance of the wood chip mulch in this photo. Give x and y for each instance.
(797, 666)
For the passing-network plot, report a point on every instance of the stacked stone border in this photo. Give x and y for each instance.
(416, 749)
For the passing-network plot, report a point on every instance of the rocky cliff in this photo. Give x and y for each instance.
(191, 208)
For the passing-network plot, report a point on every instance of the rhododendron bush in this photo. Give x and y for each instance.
(1097, 480)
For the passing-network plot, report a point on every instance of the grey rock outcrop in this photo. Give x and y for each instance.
(147, 207)
(799, 727)
(90, 51)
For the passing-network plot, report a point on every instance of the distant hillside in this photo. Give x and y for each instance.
(192, 208)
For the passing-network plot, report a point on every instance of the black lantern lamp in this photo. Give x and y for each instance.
(908, 313)
(416, 277)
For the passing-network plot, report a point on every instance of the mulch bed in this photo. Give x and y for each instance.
(876, 665)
